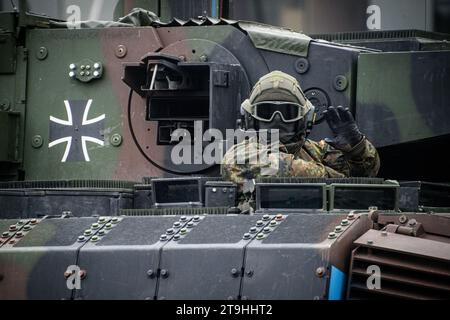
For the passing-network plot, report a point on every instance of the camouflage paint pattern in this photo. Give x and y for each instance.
(389, 115)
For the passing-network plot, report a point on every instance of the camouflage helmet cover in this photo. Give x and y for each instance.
(277, 86)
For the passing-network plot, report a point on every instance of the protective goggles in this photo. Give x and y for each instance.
(266, 111)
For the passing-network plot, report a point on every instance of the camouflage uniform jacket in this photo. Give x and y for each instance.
(313, 159)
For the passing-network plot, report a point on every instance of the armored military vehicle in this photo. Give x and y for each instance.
(94, 207)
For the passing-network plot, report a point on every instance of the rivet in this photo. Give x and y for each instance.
(340, 83)
(82, 67)
(234, 272)
(37, 141)
(170, 231)
(108, 225)
(42, 53)
(102, 220)
(21, 222)
(87, 232)
(259, 223)
(351, 216)
(196, 218)
(224, 190)
(246, 236)
(214, 190)
(183, 218)
(320, 272)
(249, 273)
(88, 67)
(163, 237)
(338, 229)
(5, 234)
(72, 66)
(183, 231)
(88, 73)
(102, 232)
(121, 51)
(267, 230)
(96, 74)
(176, 237)
(204, 58)
(19, 234)
(33, 221)
(369, 241)
(115, 220)
(301, 65)
(12, 227)
(164, 273)
(177, 224)
(266, 217)
(273, 223)
(150, 273)
(81, 238)
(97, 65)
(72, 74)
(82, 73)
(12, 241)
(190, 224)
(331, 235)
(253, 230)
(260, 236)
(344, 222)
(95, 225)
(279, 217)
(95, 238)
(116, 139)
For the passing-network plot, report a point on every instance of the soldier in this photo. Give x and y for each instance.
(277, 102)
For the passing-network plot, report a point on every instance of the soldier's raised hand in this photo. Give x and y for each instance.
(344, 128)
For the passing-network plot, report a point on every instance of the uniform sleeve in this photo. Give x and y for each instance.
(303, 168)
(362, 161)
(280, 165)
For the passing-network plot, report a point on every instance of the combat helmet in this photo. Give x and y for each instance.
(277, 92)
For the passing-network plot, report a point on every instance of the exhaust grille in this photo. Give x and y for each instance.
(403, 275)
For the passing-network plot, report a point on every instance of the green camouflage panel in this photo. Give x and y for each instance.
(314, 159)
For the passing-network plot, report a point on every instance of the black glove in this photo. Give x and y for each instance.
(345, 130)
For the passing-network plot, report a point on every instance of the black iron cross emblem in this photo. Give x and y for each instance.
(76, 130)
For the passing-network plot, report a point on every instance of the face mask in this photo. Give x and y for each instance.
(288, 132)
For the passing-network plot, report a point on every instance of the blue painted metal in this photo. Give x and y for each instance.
(214, 10)
(337, 284)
